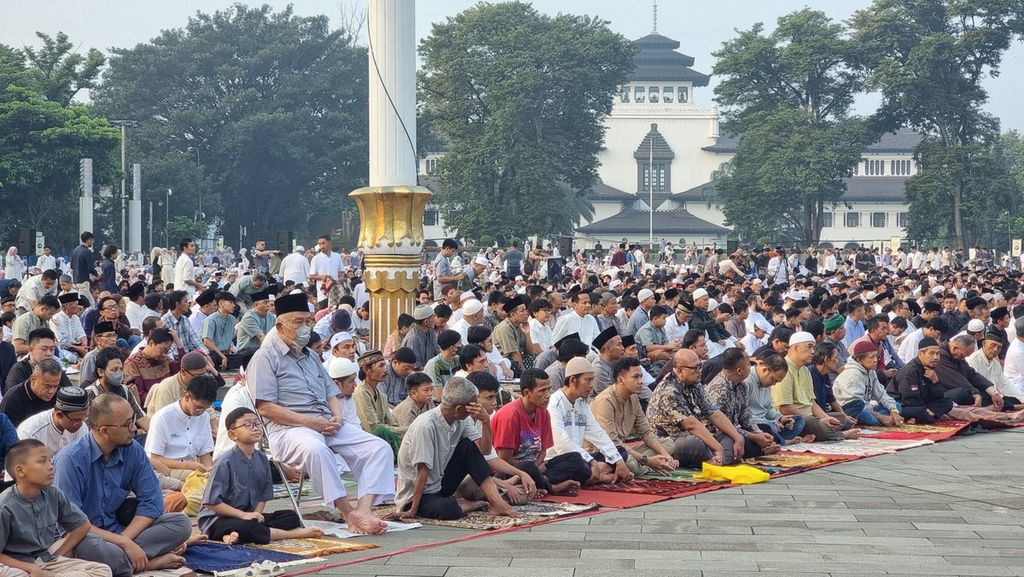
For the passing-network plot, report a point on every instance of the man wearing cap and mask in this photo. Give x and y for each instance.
(422, 339)
(59, 426)
(255, 323)
(578, 321)
(68, 326)
(472, 315)
(295, 395)
(572, 424)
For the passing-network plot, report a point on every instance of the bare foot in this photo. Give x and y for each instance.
(230, 538)
(309, 533)
(851, 434)
(197, 539)
(468, 506)
(803, 439)
(771, 449)
(569, 487)
(502, 509)
(911, 421)
(364, 522)
(166, 561)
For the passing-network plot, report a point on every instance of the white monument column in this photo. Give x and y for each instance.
(135, 210)
(85, 202)
(391, 208)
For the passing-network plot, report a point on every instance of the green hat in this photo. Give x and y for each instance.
(834, 322)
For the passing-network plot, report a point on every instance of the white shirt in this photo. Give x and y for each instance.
(908, 348)
(135, 314)
(990, 369)
(541, 334)
(571, 323)
(295, 268)
(32, 290)
(46, 262)
(1013, 369)
(175, 435)
(325, 265)
(184, 270)
(462, 327)
(573, 423)
(40, 427)
(674, 330)
(69, 330)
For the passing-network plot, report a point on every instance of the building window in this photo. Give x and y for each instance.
(856, 169)
(879, 219)
(900, 167)
(639, 94)
(624, 94)
(431, 164)
(429, 217)
(852, 220)
(660, 177)
(652, 94)
(874, 167)
(826, 220)
(901, 219)
(666, 95)
(684, 95)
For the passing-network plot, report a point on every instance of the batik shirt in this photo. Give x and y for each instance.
(731, 399)
(672, 402)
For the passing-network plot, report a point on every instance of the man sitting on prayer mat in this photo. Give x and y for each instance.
(916, 386)
(306, 425)
(728, 392)
(437, 453)
(617, 410)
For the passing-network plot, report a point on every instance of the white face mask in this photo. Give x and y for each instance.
(302, 335)
(114, 377)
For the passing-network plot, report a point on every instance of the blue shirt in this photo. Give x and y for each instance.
(8, 435)
(854, 331)
(822, 389)
(98, 487)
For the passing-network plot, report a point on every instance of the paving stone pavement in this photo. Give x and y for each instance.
(953, 508)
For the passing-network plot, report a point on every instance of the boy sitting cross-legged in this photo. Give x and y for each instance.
(30, 511)
(239, 488)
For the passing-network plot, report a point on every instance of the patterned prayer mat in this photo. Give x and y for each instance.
(679, 476)
(936, 432)
(316, 547)
(530, 514)
(648, 486)
(986, 416)
(859, 447)
(785, 460)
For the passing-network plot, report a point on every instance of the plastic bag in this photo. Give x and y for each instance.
(193, 489)
(739, 474)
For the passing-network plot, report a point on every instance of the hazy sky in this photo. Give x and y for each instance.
(700, 27)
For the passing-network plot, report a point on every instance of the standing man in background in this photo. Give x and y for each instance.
(83, 266)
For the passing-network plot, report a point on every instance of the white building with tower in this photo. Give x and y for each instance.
(660, 127)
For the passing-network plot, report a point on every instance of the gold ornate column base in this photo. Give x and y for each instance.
(391, 237)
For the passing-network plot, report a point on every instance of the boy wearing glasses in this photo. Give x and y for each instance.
(239, 488)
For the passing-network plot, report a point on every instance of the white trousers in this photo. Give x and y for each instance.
(369, 458)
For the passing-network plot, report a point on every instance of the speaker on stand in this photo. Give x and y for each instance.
(285, 242)
(26, 242)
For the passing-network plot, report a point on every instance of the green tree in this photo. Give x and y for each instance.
(788, 94)
(258, 117)
(928, 60)
(41, 143)
(58, 72)
(519, 97)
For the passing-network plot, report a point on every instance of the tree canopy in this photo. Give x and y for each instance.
(788, 95)
(520, 99)
(259, 117)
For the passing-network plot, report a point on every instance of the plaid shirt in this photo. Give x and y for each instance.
(189, 339)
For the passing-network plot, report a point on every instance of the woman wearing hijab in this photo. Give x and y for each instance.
(14, 267)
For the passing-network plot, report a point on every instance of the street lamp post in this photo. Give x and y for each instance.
(124, 175)
(199, 170)
(167, 220)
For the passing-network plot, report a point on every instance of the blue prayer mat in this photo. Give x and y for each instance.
(210, 557)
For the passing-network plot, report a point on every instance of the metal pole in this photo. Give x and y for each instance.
(167, 221)
(151, 227)
(650, 171)
(124, 174)
(199, 169)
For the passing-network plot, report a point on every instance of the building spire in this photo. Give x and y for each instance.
(654, 22)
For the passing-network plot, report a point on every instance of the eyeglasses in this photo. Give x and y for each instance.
(110, 307)
(129, 425)
(687, 367)
(251, 425)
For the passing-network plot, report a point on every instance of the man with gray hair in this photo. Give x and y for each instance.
(964, 385)
(306, 426)
(438, 451)
(35, 395)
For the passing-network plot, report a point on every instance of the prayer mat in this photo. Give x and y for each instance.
(859, 447)
(650, 487)
(530, 514)
(998, 419)
(606, 499)
(315, 547)
(936, 432)
(340, 530)
(785, 461)
(212, 557)
(678, 475)
(280, 492)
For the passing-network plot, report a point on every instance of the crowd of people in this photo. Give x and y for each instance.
(506, 381)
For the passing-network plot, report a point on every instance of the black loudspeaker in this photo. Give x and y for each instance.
(565, 246)
(731, 246)
(284, 241)
(26, 242)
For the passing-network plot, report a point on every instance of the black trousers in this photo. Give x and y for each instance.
(961, 396)
(235, 360)
(254, 531)
(531, 469)
(465, 460)
(568, 466)
(920, 414)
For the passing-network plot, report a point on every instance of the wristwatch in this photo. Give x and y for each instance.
(643, 461)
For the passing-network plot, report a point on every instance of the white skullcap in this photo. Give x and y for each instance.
(471, 307)
(300, 248)
(644, 294)
(482, 261)
(699, 294)
(466, 296)
(801, 337)
(340, 338)
(341, 367)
